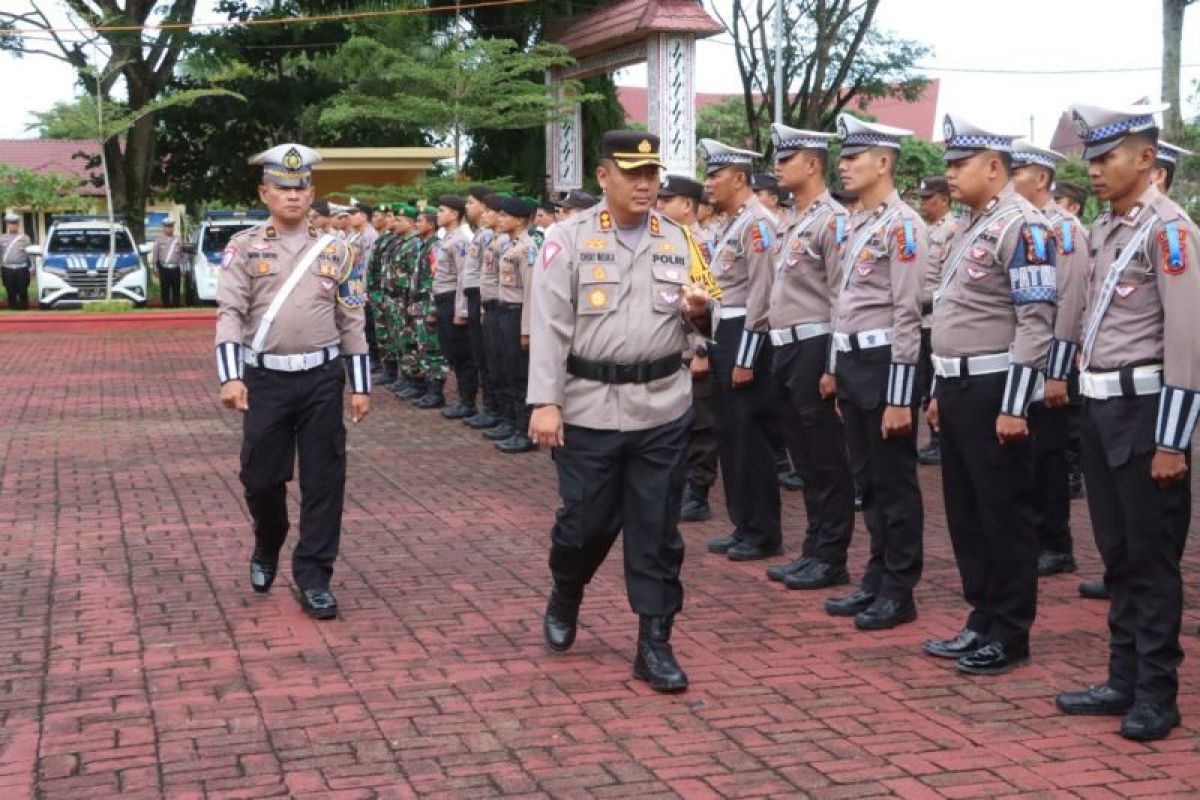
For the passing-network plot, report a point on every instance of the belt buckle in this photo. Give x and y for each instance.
(295, 363)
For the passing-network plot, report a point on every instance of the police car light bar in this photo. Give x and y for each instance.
(85, 218)
(258, 213)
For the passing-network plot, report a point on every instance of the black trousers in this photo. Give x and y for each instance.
(886, 473)
(16, 286)
(702, 446)
(514, 372)
(169, 281)
(1051, 486)
(988, 492)
(372, 342)
(613, 481)
(924, 368)
(296, 413)
(478, 350)
(817, 444)
(455, 341)
(1140, 532)
(494, 356)
(742, 419)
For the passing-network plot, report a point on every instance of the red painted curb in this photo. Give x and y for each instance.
(48, 321)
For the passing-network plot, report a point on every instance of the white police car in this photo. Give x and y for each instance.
(204, 254)
(73, 265)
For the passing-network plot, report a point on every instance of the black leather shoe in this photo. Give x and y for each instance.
(1094, 590)
(694, 506)
(930, 454)
(1094, 701)
(791, 481)
(262, 573)
(499, 432)
(1148, 721)
(517, 443)
(744, 551)
(430, 400)
(777, 572)
(962, 643)
(655, 662)
(993, 659)
(482, 421)
(884, 614)
(1052, 563)
(459, 410)
(817, 575)
(721, 544)
(319, 603)
(561, 621)
(851, 605)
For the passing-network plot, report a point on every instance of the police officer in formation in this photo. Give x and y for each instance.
(289, 339)
(168, 261)
(941, 225)
(14, 262)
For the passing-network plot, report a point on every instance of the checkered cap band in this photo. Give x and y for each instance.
(1021, 158)
(729, 158)
(979, 142)
(868, 139)
(1111, 131)
(802, 143)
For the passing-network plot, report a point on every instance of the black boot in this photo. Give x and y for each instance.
(562, 619)
(931, 453)
(391, 373)
(655, 661)
(433, 397)
(695, 503)
(416, 388)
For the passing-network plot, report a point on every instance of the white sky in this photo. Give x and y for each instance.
(1105, 35)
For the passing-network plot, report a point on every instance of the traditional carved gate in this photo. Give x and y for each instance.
(662, 33)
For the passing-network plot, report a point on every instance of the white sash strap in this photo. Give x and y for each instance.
(861, 242)
(956, 259)
(1109, 287)
(264, 326)
(799, 229)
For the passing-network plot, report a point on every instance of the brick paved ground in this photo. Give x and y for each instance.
(137, 661)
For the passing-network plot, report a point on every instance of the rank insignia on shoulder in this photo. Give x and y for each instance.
(270, 232)
(760, 237)
(655, 225)
(606, 221)
(1035, 244)
(1133, 213)
(1172, 244)
(906, 241)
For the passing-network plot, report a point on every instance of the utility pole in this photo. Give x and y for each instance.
(779, 62)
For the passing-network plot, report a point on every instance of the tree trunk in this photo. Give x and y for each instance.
(1172, 44)
(138, 161)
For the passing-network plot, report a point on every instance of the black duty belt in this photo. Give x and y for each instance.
(489, 305)
(503, 306)
(608, 372)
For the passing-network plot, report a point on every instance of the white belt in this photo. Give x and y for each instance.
(798, 333)
(293, 363)
(1121, 382)
(732, 312)
(863, 340)
(970, 365)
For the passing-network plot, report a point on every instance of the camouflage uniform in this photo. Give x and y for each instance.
(428, 350)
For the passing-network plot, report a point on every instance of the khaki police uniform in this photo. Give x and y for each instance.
(168, 260)
(14, 262)
(514, 270)
(450, 301)
(471, 276)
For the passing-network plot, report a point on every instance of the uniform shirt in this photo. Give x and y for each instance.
(472, 269)
(1153, 314)
(515, 267)
(940, 234)
(998, 293)
(1071, 268)
(363, 241)
(489, 279)
(12, 250)
(449, 256)
(595, 297)
(325, 308)
(807, 257)
(168, 251)
(743, 268)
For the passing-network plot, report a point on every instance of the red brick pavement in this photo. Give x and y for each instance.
(139, 663)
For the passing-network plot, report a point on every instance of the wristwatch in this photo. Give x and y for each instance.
(700, 351)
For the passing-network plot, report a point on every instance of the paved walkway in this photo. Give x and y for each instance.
(136, 661)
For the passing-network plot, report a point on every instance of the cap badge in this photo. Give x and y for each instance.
(948, 129)
(1081, 126)
(645, 147)
(843, 130)
(292, 159)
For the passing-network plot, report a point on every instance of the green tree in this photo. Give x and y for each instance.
(1172, 33)
(72, 119)
(918, 159)
(725, 121)
(46, 191)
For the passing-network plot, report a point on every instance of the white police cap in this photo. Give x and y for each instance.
(288, 164)
(1025, 154)
(1170, 153)
(964, 139)
(787, 141)
(11, 218)
(857, 136)
(1102, 128)
(718, 156)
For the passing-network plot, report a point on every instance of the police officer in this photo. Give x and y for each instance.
(1050, 420)
(1070, 197)
(873, 370)
(934, 194)
(807, 277)
(1139, 358)
(678, 198)
(450, 300)
(1166, 161)
(513, 321)
(489, 297)
(613, 399)
(993, 316)
(576, 200)
(15, 263)
(744, 398)
(289, 334)
(472, 275)
(168, 261)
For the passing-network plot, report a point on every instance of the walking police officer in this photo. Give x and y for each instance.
(612, 310)
(14, 261)
(289, 332)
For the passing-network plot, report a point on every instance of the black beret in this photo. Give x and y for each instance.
(1072, 191)
(365, 208)
(493, 200)
(933, 184)
(479, 191)
(681, 186)
(759, 181)
(452, 201)
(321, 207)
(579, 200)
(517, 206)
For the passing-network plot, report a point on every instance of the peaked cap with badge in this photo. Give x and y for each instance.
(578, 199)
(965, 139)
(631, 149)
(288, 165)
(1026, 154)
(1170, 154)
(789, 141)
(717, 156)
(858, 136)
(1104, 127)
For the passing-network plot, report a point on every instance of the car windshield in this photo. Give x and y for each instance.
(87, 241)
(214, 238)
